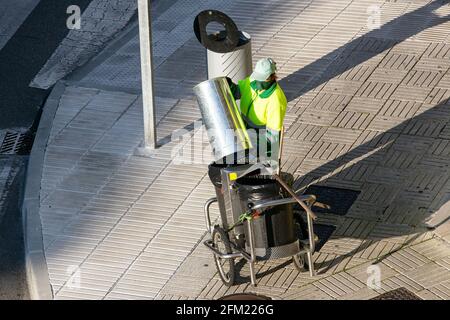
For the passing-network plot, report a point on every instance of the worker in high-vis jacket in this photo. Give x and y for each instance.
(262, 103)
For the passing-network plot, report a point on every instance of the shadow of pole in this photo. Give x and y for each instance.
(402, 136)
(400, 29)
(440, 113)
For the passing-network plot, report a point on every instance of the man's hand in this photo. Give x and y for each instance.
(234, 88)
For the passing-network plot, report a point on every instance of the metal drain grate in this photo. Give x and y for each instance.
(397, 294)
(340, 200)
(16, 142)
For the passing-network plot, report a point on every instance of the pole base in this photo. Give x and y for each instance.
(145, 151)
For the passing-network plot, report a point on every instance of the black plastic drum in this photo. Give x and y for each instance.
(275, 227)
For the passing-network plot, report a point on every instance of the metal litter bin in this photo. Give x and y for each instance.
(236, 64)
(229, 52)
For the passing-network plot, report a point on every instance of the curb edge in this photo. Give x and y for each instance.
(36, 266)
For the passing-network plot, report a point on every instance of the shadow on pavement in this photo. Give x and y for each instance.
(397, 30)
(405, 193)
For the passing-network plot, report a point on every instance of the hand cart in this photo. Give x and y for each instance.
(235, 236)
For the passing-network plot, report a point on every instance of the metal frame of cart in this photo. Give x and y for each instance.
(229, 250)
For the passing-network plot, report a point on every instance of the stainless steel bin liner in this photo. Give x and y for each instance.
(225, 128)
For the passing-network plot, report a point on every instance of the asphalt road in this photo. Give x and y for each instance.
(25, 54)
(13, 284)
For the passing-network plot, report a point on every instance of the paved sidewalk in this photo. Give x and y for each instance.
(368, 111)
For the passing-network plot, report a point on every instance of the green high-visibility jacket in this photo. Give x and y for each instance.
(259, 111)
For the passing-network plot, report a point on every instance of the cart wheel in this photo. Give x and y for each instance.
(224, 266)
(301, 227)
(300, 262)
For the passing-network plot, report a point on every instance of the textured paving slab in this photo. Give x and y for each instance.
(397, 294)
(368, 111)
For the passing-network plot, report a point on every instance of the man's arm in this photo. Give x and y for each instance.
(274, 125)
(273, 136)
(273, 142)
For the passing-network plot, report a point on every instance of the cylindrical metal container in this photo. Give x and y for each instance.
(236, 64)
(225, 128)
(274, 230)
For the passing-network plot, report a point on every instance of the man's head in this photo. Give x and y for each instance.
(264, 69)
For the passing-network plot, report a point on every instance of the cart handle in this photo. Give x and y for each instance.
(208, 203)
(278, 202)
(296, 197)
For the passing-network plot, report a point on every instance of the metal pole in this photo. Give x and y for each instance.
(148, 101)
(280, 151)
